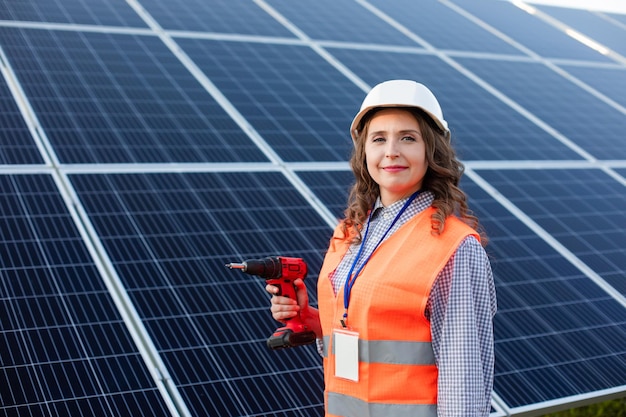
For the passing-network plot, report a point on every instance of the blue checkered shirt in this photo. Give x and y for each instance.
(460, 308)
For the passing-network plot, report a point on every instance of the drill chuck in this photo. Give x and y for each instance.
(269, 267)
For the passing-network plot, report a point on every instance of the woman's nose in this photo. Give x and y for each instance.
(391, 150)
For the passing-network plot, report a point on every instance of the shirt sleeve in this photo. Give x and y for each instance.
(461, 307)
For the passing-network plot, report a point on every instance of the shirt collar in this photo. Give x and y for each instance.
(424, 199)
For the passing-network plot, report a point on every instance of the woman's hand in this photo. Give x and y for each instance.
(284, 308)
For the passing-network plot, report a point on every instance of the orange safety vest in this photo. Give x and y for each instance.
(397, 370)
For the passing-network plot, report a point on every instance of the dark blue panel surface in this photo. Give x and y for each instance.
(559, 103)
(442, 27)
(334, 20)
(530, 31)
(105, 98)
(582, 209)
(482, 126)
(553, 324)
(93, 12)
(169, 236)
(298, 102)
(17, 145)
(221, 16)
(591, 25)
(64, 349)
(609, 81)
(330, 187)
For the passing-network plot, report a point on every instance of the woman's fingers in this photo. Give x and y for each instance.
(282, 308)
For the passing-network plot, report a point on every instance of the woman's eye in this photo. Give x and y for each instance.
(409, 138)
(378, 139)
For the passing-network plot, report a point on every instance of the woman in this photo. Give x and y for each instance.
(406, 293)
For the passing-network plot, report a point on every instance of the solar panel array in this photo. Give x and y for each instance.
(146, 143)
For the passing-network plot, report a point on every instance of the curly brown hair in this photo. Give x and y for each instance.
(442, 179)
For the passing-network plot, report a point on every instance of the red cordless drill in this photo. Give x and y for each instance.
(280, 272)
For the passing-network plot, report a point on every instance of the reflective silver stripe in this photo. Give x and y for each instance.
(396, 353)
(326, 344)
(392, 352)
(344, 405)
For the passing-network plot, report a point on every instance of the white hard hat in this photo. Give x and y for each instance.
(400, 93)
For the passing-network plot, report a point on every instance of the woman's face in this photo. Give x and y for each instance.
(395, 154)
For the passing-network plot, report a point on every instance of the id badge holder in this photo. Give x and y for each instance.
(346, 346)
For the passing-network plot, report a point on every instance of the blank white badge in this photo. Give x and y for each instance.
(347, 354)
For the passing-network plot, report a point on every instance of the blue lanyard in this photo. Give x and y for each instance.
(351, 279)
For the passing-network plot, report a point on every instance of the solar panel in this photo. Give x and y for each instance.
(582, 209)
(18, 146)
(467, 107)
(611, 82)
(238, 17)
(170, 241)
(553, 322)
(467, 36)
(560, 103)
(528, 31)
(65, 348)
(96, 12)
(146, 143)
(593, 25)
(320, 21)
(293, 97)
(116, 98)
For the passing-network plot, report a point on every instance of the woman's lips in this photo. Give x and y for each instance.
(394, 168)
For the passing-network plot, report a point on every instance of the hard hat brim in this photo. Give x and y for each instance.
(443, 125)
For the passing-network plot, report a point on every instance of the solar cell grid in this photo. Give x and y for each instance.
(18, 146)
(95, 12)
(529, 31)
(295, 99)
(218, 16)
(114, 93)
(330, 187)
(466, 36)
(583, 209)
(544, 301)
(558, 102)
(195, 309)
(483, 127)
(320, 20)
(609, 81)
(134, 102)
(591, 25)
(65, 345)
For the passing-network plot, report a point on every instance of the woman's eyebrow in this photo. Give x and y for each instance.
(380, 132)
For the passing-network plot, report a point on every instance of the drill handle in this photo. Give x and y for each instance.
(285, 287)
